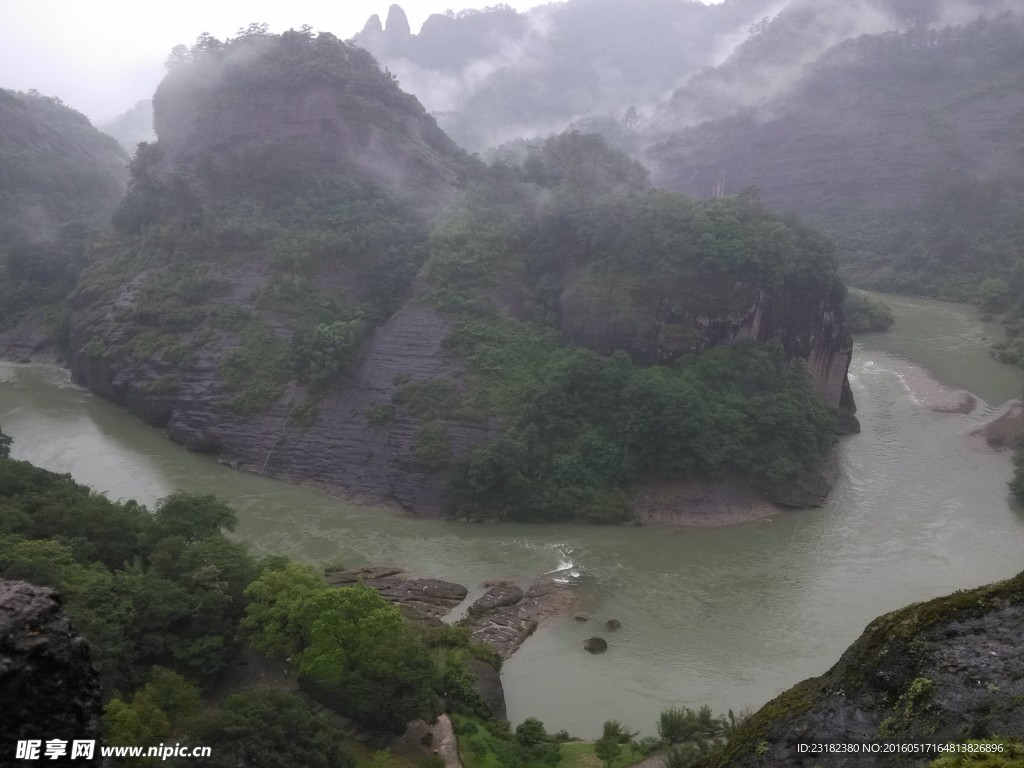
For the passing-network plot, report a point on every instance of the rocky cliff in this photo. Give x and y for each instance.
(283, 290)
(48, 686)
(809, 326)
(257, 125)
(948, 670)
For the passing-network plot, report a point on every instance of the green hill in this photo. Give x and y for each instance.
(60, 179)
(310, 279)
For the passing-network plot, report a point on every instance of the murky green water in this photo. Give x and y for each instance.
(727, 616)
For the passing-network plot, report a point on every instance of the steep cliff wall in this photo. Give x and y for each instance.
(808, 326)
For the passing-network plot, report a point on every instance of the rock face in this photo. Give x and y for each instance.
(48, 687)
(808, 325)
(947, 670)
(420, 599)
(487, 684)
(507, 614)
(342, 450)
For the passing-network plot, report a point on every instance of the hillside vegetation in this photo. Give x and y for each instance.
(60, 179)
(270, 245)
(904, 147)
(575, 249)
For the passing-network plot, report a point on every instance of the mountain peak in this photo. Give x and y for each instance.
(372, 26)
(397, 24)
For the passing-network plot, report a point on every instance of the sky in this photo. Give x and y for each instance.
(102, 56)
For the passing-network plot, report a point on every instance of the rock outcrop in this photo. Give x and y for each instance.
(808, 325)
(425, 600)
(503, 617)
(48, 686)
(506, 615)
(342, 450)
(947, 670)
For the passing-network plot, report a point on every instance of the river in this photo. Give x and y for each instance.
(724, 616)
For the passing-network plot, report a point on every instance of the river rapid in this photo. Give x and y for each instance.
(724, 616)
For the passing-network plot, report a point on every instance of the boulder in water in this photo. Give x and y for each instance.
(595, 644)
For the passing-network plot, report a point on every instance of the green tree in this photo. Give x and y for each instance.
(269, 729)
(607, 749)
(531, 732)
(192, 516)
(281, 610)
(5, 445)
(372, 659)
(166, 706)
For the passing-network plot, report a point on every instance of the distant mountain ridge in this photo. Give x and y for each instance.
(497, 74)
(906, 147)
(870, 123)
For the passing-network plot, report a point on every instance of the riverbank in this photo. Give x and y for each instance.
(724, 615)
(702, 503)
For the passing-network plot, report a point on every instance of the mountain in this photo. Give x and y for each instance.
(60, 179)
(310, 279)
(494, 75)
(941, 672)
(904, 146)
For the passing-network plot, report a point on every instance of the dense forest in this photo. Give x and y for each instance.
(936, 213)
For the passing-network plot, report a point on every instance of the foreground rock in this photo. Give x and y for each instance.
(503, 617)
(595, 645)
(947, 670)
(48, 686)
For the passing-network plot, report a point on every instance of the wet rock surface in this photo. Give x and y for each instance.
(944, 671)
(48, 686)
(420, 599)
(595, 645)
(507, 614)
(28, 342)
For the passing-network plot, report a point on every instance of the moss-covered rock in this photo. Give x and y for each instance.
(947, 670)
